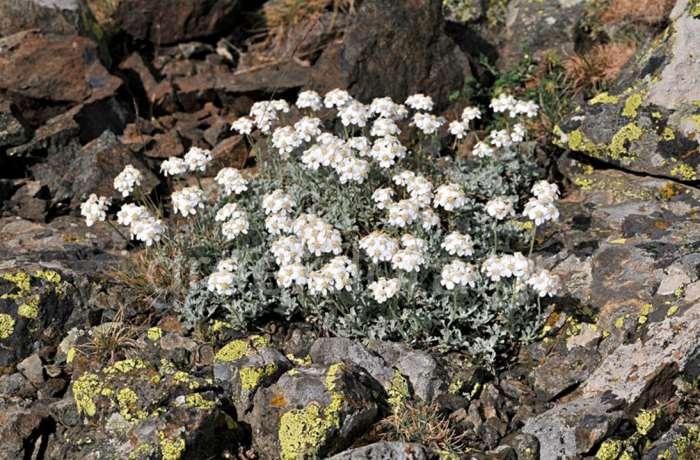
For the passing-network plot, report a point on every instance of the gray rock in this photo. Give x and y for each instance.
(53, 16)
(12, 128)
(327, 351)
(386, 451)
(28, 202)
(32, 368)
(526, 446)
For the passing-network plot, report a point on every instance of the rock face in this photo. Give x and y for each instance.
(650, 122)
(406, 37)
(163, 22)
(386, 451)
(51, 16)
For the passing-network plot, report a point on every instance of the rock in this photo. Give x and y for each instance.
(314, 411)
(386, 451)
(60, 70)
(230, 152)
(160, 95)
(29, 202)
(13, 130)
(406, 37)
(32, 369)
(19, 430)
(561, 372)
(168, 144)
(526, 446)
(648, 123)
(676, 278)
(538, 27)
(161, 22)
(57, 135)
(572, 429)
(64, 17)
(16, 387)
(100, 161)
(327, 351)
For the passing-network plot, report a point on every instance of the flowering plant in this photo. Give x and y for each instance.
(356, 223)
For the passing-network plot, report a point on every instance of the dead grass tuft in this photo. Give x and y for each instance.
(641, 11)
(599, 66)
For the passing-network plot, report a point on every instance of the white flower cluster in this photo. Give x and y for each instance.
(197, 159)
(499, 267)
(188, 200)
(126, 180)
(231, 181)
(222, 280)
(94, 209)
(541, 207)
(384, 289)
(235, 221)
(142, 225)
(514, 107)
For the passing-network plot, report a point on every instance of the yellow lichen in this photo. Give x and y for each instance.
(398, 391)
(197, 401)
(125, 366)
(154, 334)
(181, 377)
(667, 134)
(252, 376)
(22, 282)
(627, 133)
(609, 450)
(70, 356)
(578, 142)
(645, 421)
(305, 361)
(30, 308)
(583, 183)
(7, 326)
(620, 322)
(672, 311)
(85, 389)
(684, 171)
(604, 98)
(171, 449)
(232, 351)
(219, 326)
(632, 105)
(644, 313)
(128, 405)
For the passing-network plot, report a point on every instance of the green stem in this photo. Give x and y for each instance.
(532, 239)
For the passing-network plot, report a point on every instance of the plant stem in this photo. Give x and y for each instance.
(532, 239)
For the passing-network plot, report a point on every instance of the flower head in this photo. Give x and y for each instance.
(540, 211)
(336, 98)
(309, 100)
(457, 244)
(420, 102)
(500, 207)
(379, 246)
(173, 166)
(126, 180)
(544, 283)
(94, 209)
(449, 197)
(458, 273)
(221, 282)
(384, 289)
(197, 159)
(187, 200)
(243, 125)
(231, 180)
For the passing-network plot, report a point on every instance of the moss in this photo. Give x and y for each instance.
(197, 401)
(7, 326)
(672, 311)
(399, 391)
(171, 449)
(684, 171)
(303, 432)
(632, 104)
(252, 376)
(627, 133)
(604, 98)
(30, 308)
(609, 450)
(154, 334)
(667, 134)
(85, 389)
(645, 421)
(128, 405)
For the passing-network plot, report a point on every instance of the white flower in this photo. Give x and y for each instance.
(352, 170)
(277, 202)
(503, 103)
(354, 113)
(94, 209)
(408, 260)
(470, 113)
(292, 274)
(409, 241)
(386, 150)
(384, 289)
(227, 265)
(494, 268)
(341, 270)
(457, 244)
(309, 100)
(336, 98)
(243, 125)
(226, 212)
(544, 283)
(403, 178)
(276, 224)
(382, 197)
(379, 246)
(421, 190)
(231, 180)
(126, 180)
(420, 102)
(402, 213)
(501, 138)
(197, 159)
(458, 129)
(500, 207)
(130, 213)
(173, 166)
(482, 150)
(545, 191)
(280, 105)
(527, 108)
(265, 114)
(429, 219)
(236, 225)
(384, 127)
(286, 140)
(308, 128)
(458, 273)
(319, 282)
(541, 211)
(449, 197)
(221, 283)
(518, 265)
(318, 236)
(384, 107)
(148, 230)
(360, 144)
(427, 122)
(187, 200)
(287, 250)
(517, 134)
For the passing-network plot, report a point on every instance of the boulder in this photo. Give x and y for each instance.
(314, 411)
(13, 129)
(649, 122)
(66, 17)
(386, 451)
(393, 49)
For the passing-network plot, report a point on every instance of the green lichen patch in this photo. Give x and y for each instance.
(237, 349)
(171, 449)
(128, 405)
(632, 104)
(125, 366)
(684, 171)
(609, 450)
(85, 389)
(604, 98)
(645, 421)
(618, 144)
(197, 401)
(252, 376)
(7, 326)
(399, 392)
(29, 309)
(668, 135)
(695, 8)
(154, 334)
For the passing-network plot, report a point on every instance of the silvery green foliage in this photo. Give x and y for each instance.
(484, 319)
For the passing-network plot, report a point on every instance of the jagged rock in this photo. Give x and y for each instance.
(537, 27)
(162, 22)
(29, 202)
(406, 37)
(649, 123)
(19, 430)
(386, 451)
(12, 128)
(99, 161)
(314, 411)
(32, 368)
(67, 17)
(160, 95)
(526, 446)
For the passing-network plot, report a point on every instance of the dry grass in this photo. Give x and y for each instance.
(640, 11)
(111, 341)
(286, 13)
(601, 65)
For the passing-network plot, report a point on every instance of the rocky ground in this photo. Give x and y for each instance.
(89, 86)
